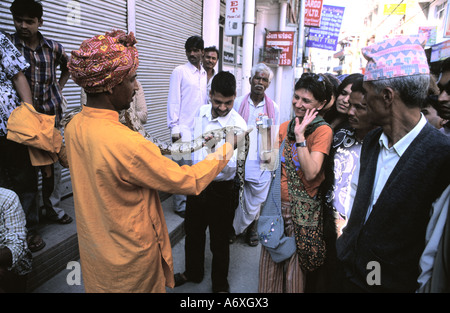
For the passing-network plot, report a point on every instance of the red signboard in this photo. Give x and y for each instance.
(313, 11)
(283, 40)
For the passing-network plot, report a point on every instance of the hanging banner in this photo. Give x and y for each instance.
(234, 17)
(282, 44)
(313, 11)
(326, 37)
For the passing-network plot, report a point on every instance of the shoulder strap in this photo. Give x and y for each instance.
(272, 205)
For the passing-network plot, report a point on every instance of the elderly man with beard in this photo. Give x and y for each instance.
(255, 107)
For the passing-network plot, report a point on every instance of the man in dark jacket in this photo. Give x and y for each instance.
(403, 172)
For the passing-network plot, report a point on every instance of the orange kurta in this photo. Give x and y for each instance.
(116, 174)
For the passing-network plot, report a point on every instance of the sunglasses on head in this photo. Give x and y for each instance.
(316, 77)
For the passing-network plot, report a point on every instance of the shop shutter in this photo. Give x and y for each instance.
(71, 22)
(162, 28)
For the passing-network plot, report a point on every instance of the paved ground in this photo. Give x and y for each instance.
(243, 272)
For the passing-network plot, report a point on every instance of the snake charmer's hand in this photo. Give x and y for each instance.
(238, 139)
(300, 128)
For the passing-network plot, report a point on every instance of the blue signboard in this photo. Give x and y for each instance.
(327, 36)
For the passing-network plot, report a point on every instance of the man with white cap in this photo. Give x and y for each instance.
(402, 176)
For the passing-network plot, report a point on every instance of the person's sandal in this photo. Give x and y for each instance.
(35, 242)
(180, 279)
(253, 239)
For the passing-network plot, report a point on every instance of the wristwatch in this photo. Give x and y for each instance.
(300, 144)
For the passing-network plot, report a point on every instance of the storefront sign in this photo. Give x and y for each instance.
(440, 52)
(430, 32)
(394, 9)
(234, 17)
(313, 11)
(326, 37)
(447, 23)
(283, 41)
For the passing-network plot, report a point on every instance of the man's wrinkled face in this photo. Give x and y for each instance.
(259, 83)
(357, 111)
(374, 104)
(443, 107)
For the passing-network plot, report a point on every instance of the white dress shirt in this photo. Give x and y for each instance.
(187, 92)
(204, 123)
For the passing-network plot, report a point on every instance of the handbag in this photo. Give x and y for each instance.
(270, 225)
(307, 217)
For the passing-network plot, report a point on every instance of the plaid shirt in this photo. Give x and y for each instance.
(41, 75)
(13, 232)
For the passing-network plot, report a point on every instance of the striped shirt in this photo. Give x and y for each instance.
(41, 75)
(13, 232)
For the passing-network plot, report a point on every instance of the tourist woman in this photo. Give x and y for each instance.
(307, 139)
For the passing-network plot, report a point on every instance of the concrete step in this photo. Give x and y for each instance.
(62, 242)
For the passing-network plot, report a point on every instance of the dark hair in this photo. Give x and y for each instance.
(212, 48)
(313, 83)
(29, 8)
(350, 79)
(358, 85)
(445, 65)
(431, 100)
(194, 42)
(334, 81)
(225, 83)
(329, 88)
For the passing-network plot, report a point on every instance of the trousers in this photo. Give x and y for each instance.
(212, 208)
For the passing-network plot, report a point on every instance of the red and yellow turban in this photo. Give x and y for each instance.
(103, 61)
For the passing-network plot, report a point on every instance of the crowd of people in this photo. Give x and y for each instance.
(351, 194)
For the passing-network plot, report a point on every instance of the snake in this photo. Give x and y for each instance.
(208, 139)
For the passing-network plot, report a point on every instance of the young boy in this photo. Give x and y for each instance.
(213, 208)
(44, 55)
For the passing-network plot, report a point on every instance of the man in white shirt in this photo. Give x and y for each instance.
(402, 174)
(187, 92)
(256, 107)
(213, 208)
(210, 58)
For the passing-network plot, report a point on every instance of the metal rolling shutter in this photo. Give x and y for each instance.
(162, 28)
(95, 17)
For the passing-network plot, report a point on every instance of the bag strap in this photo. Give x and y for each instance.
(272, 205)
(290, 168)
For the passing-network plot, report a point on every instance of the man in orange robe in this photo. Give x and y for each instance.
(116, 174)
